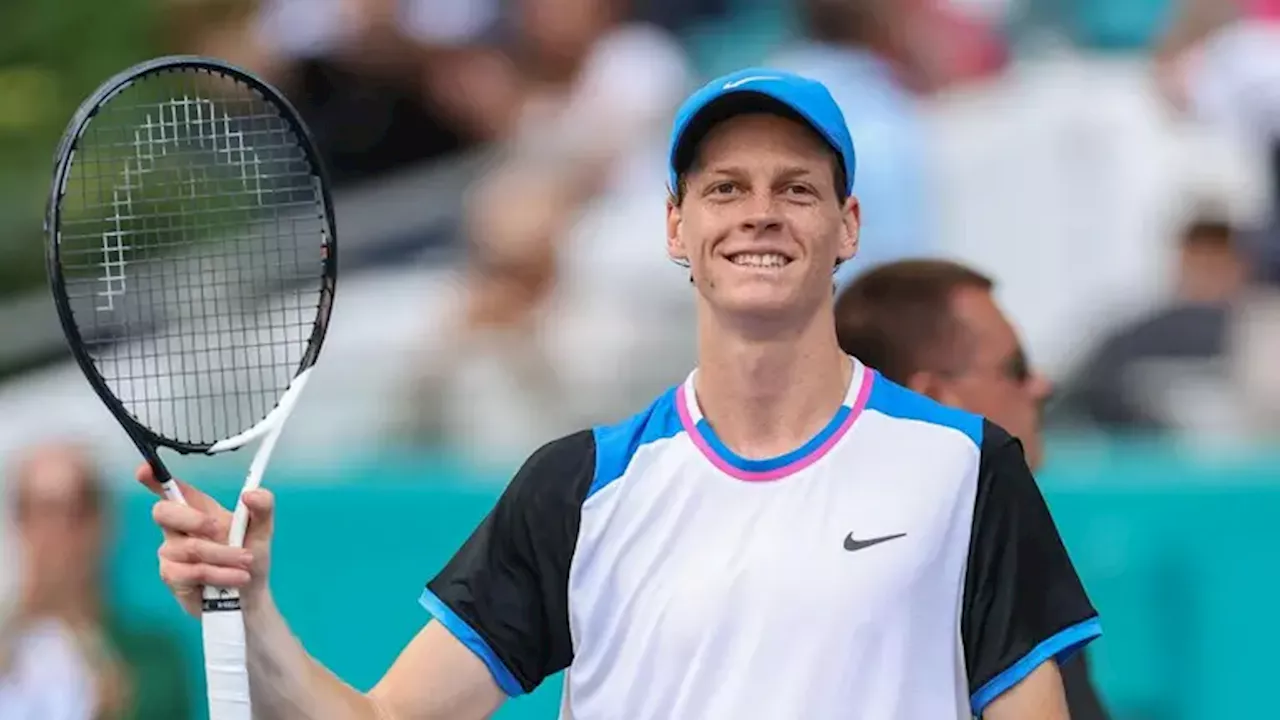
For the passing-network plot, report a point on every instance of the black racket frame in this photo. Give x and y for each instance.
(147, 441)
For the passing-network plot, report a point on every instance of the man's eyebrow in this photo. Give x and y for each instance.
(788, 172)
(794, 171)
(733, 170)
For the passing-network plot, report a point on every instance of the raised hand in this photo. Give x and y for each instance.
(195, 551)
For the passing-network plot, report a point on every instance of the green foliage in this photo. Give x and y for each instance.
(53, 53)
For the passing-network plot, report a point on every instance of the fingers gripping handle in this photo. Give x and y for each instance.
(222, 625)
(226, 673)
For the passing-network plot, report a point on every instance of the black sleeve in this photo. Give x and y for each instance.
(1023, 602)
(504, 594)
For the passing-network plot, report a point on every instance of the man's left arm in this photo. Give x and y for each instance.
(1025, 610)
(1039, 695)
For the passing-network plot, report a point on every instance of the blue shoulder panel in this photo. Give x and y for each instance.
(896, 401)
(617, 444)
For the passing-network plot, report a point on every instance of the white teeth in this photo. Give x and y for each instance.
(759, 259)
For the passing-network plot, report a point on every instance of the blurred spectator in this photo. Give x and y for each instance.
(1095, 27)
(64, 654)
(678, 16)
(43, 676)
(591, 85)
(594, 85)
(850, 46)
(1220, 63)
(952, 43)
(596, 91)
(381, 83)
(1141, 376)
(934, 327)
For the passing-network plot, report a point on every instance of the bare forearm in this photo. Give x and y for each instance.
(288, 684)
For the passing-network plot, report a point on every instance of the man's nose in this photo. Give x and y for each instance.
(1041, 387)
(762, 214)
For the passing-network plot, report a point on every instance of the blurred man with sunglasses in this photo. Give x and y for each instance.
(934, 326)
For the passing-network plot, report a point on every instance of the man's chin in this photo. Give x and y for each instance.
(752, 298)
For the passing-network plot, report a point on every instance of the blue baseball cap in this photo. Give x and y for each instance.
(760, 90)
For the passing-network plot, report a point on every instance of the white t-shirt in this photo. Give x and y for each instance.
(900, 565)
(48, 678)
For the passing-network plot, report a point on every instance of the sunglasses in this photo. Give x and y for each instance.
(1016, 368)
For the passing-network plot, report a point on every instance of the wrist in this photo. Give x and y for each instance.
(257, 601)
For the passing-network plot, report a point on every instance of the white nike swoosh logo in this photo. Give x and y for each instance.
(735, 83)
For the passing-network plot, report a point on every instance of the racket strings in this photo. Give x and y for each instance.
(191, 248)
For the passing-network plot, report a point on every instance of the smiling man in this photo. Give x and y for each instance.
(784, 534)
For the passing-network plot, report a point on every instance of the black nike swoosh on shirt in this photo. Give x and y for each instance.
(853, 545)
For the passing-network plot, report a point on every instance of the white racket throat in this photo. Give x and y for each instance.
(273, 420)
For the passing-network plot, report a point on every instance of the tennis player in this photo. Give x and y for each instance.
(785, 534)
(935, 327)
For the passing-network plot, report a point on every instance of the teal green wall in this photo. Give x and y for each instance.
(1181, 555)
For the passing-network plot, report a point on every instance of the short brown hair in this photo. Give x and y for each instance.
(1208, 232)
(897, 318)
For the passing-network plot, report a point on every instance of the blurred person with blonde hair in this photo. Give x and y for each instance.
(63, 653)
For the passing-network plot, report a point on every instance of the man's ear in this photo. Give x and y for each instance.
(675, 244)
(852, 215)
(933, 386)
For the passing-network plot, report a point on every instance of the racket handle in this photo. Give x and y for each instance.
(226, 669)
(173, 492)
(162, 475)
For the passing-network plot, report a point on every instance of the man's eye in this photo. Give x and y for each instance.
(1017, 368)
(799, 189)
(723, 188)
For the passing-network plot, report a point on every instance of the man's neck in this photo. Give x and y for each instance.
(766, 396)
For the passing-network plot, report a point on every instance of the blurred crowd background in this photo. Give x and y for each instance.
(499, 173)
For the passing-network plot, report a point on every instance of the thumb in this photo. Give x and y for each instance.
(261, 505)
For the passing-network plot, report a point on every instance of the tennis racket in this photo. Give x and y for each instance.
(191, 255)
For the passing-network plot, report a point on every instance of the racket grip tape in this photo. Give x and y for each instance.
(226, 670)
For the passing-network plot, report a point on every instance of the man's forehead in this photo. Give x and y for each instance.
(53, 473)
(977, 310)
(57, 487)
